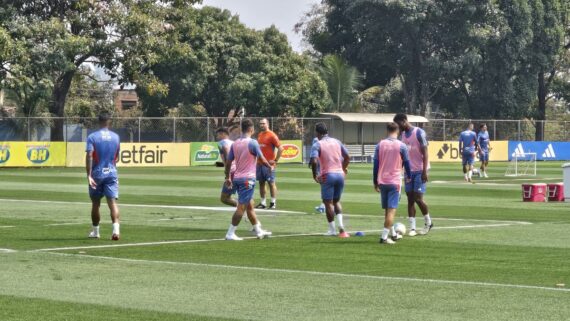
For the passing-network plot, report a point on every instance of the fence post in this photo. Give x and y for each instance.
(519, 130)
(174, 129)
(494, 129)
(303, 139)
(444, 131)
(29, 135)
(208, 127)
(139, 129)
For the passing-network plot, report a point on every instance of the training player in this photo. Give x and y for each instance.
(416, 140)
(100, 161)
(244, 153)
(224, 146)
(484, 143)
(389, 156)
(268, 142)
(333, 159)
(467, 146)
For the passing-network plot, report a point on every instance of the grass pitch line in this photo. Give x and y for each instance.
(54, 249)
(318, 273)
(7, 251)
(7, 226)
(182, 207)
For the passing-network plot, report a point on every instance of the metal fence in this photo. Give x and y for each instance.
(143, 129)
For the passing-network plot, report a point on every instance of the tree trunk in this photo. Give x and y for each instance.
(541, 112)
(57, 106)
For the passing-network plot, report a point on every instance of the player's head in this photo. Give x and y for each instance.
(264, 124)
(470, 126)
(222, 133)
(483, 127)
(321, 130)
(393, 129)
(402, 121)
(104, 119)
(247, 127)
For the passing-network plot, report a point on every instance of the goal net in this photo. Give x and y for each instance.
(522, 164)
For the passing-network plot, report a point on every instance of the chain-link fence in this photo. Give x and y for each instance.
(144, 129)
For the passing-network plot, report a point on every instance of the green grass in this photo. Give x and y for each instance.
(490, 257)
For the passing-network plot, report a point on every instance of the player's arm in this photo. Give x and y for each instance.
(461, 145)
(406, 162)
(89, 162)
(255, 150)
(345, 158)
(229, 161)
(277, 144)
(315, 151)
(375, 168)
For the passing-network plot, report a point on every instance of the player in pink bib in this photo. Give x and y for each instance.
(416, 141)
(244, 152)
(332, 157)
(389, 157)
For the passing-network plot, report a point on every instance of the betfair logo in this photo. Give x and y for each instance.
(453, 151)
(38, 155)
(4, 155)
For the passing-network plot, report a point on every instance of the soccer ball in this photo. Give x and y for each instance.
(400, 228)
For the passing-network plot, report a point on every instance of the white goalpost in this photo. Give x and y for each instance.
(522, 164)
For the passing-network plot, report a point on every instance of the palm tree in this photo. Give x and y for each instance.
(342, 82)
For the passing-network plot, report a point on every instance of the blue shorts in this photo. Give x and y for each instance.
(332, 185)
(390, 196)
(468, 158)
(484, 156)
(416, 184)
(265, 174)
(229, 191)
(107, 186)
(245, 188)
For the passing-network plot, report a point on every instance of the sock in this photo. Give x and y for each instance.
(332, 227)
(263, 201)
(322, 205)
(412, 223)
(116, 228)
(232, 230)
(385, 233)
(427, 219)
(257, 227)
(340, 222)
(393, 230)
(273, 200)
(470, 174)
(96, 229)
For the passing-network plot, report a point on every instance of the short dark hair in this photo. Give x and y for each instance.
(392, 128)
(222, 130)
(104, 117)
(400, 117)
(246, 124)
(482, 125)
(321, 128)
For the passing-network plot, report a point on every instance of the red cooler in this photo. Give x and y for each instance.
(556, 192)
(534, 192)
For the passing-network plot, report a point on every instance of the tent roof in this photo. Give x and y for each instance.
(372, 118)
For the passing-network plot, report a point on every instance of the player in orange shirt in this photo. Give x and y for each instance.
(268, 141)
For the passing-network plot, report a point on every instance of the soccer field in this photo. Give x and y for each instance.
(489, 257)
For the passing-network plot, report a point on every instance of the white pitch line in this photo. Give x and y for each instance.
(328, 274)
(215, 240)
(7, 226)
(179, 219)
(62, 224)
(7, 251)
(182, 207)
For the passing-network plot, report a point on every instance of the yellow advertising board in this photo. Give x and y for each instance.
(32, 154)
(138, 154)
(448, 151)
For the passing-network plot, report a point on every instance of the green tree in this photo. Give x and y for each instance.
(232, 66)
(342, 82)
(58, 37)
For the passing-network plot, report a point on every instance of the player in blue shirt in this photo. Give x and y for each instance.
(224, 146)
(485, 147)
(102, 153)
(467, 146)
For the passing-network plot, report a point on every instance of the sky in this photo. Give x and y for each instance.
(260, 14)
